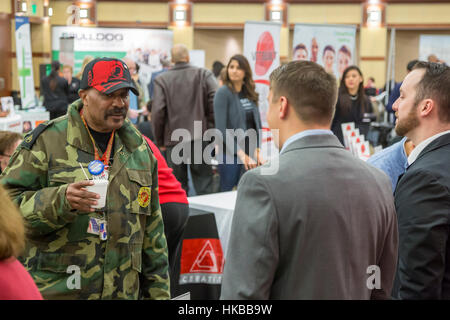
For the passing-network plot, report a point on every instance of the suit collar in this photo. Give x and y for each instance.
(433, 145)
(315, 141)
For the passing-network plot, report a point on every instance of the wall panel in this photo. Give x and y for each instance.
(218, 44)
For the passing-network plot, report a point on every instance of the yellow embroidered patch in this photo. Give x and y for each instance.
(144, 197)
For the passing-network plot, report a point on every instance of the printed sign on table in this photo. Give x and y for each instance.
(355, 141)
(7, 104)
(364, 151)
(347, 127)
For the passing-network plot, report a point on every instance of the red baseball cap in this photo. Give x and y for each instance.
(107, 75)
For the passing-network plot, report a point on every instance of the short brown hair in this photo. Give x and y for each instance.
(12, 230)
(435, 85)
(309, 89)
(7, 140)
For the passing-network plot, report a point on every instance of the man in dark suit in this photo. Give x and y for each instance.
(422, 196)
(324, 225)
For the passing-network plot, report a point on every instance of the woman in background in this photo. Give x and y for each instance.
(55, 90)
(235, 107)
(15, 282)
(352, 103)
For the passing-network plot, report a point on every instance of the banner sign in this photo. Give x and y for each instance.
(25, 62)
(262, 50)
(331, 46)
(146, 46)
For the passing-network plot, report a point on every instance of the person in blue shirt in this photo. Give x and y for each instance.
(393, 160)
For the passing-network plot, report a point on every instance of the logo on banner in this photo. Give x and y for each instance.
(201, 261)
(265, 53)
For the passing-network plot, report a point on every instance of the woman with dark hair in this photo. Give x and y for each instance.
(352, 103)
(235, 107)
(55, 90)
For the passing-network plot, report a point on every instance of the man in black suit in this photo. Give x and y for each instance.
(422, 196)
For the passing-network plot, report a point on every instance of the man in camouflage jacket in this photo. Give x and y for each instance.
(42, 174)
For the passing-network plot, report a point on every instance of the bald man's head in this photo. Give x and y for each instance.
(131, 65)
(180, 53)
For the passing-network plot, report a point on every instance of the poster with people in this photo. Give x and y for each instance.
(331, 46)
(146, 46)
(262, 50)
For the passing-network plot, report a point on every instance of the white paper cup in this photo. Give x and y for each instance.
(100, 187)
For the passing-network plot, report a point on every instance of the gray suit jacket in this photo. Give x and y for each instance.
(312, 230)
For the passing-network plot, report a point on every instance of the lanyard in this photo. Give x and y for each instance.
(107, 154)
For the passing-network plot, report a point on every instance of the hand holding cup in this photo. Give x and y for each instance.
(80, 198)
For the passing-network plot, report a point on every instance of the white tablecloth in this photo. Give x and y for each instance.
(222, 205)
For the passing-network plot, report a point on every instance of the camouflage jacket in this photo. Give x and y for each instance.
(132, 263)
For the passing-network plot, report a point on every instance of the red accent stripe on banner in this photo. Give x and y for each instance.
(267, 139)
(263, 81)
(265, 129)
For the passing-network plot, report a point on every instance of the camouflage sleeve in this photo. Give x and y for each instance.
(155, 283)
(45, 209)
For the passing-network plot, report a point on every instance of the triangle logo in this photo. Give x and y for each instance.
(206, 260)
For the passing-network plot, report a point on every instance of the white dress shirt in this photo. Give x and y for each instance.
(302, 134)
(419, 148)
